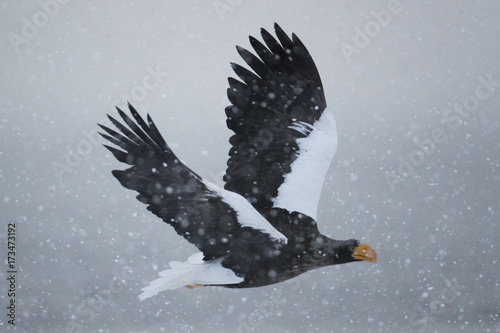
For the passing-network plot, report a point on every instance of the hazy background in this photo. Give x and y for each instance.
(85, 246)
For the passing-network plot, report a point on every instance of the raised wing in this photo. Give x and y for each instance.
(284, 137)
(216, 221)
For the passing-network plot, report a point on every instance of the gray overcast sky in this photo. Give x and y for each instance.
(414, 87)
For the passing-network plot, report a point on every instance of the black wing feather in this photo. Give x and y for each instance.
(283, 89)
(175, 193)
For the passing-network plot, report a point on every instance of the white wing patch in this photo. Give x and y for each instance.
(247, 215)
(302, 127)
(301, 189)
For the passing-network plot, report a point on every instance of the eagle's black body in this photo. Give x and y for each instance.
(306, 249)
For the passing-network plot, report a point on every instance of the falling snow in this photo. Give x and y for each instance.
(417, 170)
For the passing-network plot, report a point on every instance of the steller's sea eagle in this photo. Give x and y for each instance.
(261, 227)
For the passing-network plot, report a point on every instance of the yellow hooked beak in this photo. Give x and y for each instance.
(365, 252)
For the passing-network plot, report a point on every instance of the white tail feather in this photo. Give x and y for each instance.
(193, 271)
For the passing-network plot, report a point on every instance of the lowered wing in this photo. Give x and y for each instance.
(216, 221)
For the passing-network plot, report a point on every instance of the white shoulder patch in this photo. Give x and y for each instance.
(247, 215)
(301, 189)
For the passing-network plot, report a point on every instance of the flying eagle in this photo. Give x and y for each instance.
(261, 227)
